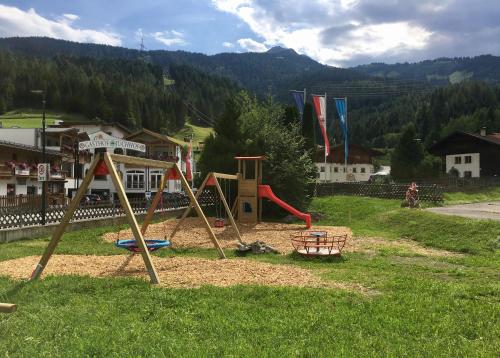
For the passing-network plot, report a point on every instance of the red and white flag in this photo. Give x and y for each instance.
(320, 107)
(189, 172)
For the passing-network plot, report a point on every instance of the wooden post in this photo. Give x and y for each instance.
(58, 232)
(154, 204)
(190, 207)
(200, 213)
(228, 210)
(7, 307)
(139, 239)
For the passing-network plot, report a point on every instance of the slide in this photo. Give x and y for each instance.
(265, 191)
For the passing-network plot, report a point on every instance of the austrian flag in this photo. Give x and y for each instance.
(320, 107)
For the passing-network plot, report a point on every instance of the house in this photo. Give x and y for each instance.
(359, 166)
(470, 154)
(21, 151)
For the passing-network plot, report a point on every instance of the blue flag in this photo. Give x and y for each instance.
(341, 105)
(298, 96)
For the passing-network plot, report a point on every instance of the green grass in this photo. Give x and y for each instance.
(29, 118)
(472, 196)
(199, 133)
(419, 306)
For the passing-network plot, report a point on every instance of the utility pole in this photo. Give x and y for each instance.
(44, 155)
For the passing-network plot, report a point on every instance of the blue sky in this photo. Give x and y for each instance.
(335, 32)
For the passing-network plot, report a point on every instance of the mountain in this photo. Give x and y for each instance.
(441, 71)
(276, 70)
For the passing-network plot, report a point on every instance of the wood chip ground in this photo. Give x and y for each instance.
(183, 272)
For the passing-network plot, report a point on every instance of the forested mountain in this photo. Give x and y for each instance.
(441, 71)
(467, 106)
(277, 69)
(156, 89)
(132, 92)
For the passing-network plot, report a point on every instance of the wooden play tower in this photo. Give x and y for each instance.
(249, 179)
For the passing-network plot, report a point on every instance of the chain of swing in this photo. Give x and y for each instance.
(220, 211)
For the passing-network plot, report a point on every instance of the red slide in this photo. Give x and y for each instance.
(265, 191)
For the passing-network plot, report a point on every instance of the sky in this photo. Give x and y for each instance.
(335, 32)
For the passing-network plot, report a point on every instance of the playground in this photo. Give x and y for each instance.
(367, 276)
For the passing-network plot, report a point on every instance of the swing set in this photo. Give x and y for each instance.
(212, 180)
(104, 163)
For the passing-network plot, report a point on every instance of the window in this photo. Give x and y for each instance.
(344, 170)
(322, 169)
(31, 190)
(135, 179)
(363, 170)
(156, 180)
(468, 159)
(354, 170)
(467, 174)
(336, 169)
(458, 160)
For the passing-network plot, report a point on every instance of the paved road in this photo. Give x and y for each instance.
(489, 210)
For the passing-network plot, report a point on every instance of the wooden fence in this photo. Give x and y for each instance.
(426, 192)
(18, 217)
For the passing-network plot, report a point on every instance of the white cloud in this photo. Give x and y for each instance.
(305, 27)
(16, 22)
(227, 44)
(170, 38)
(252, 45)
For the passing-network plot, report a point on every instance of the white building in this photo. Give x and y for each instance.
(471, 155)
(359, 166)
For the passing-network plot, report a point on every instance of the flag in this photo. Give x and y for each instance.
(189, 173)
(341, 104)
(320, 107)
(299, 97)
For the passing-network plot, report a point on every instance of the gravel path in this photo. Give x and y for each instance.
(488, 210)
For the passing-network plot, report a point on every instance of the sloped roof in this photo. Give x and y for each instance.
(30, 148)
(159, 136)
(493, 138)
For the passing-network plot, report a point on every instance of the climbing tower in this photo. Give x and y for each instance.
(250, 177)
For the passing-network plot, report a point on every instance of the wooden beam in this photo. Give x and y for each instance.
(59, 230)
(139, 239)
(190, 207)
(234, 209)
(141, 162)
(200, 213)
(228, 211)
(154, 204)
(225, 176)
(7, 307)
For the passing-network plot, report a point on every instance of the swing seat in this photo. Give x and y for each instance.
(151, 244)
(219, 222)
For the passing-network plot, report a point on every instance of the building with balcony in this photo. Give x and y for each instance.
(359, 167)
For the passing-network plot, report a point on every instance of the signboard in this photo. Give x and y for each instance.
(104, 140)
(43, 171)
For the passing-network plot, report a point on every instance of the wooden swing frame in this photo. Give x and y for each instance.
(137, 232)
(213, 176)
(7, 307)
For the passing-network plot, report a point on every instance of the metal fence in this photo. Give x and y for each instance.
(426, 192)
(19, 217)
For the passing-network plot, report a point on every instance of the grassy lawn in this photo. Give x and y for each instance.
(420, 305)
(472, 196)
(29, 118)
(199, 133)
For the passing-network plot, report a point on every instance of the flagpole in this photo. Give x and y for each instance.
(326, 126)
(345, 139)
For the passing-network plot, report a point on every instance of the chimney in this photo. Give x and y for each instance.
(483, 132)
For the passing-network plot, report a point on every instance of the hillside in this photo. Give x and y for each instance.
(277, 69)
(441, 71)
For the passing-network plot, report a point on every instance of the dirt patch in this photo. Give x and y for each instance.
(181, 272)
(194, 235)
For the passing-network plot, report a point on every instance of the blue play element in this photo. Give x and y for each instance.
(152, 245)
